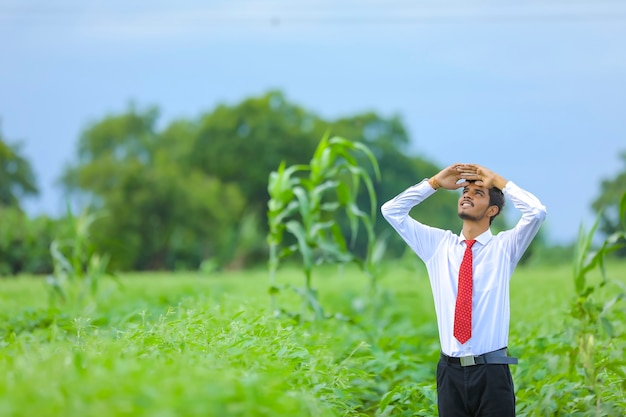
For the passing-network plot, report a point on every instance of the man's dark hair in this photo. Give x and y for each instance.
(496, 198)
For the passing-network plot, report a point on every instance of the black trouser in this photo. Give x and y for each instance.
(472, 391)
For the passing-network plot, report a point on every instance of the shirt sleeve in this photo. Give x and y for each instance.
(422, 239)
(533, 215)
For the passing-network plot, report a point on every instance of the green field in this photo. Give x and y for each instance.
(210, 345)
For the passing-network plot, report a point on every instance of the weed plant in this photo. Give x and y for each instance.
(79, 270)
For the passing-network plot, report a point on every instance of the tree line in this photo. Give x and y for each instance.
(193, 194)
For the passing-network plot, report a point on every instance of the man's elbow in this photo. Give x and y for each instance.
(387, 211)
(540, 212)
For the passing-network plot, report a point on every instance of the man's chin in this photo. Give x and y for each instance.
(466, 216)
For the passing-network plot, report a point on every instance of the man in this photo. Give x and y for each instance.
(473, 375)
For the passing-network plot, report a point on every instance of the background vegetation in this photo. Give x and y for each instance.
(193, 194)
(156, 300)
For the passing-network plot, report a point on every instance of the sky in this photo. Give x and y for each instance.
(534, 90)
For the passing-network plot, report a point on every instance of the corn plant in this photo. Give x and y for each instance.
(78, 269)
(591, 317)
(306, 201)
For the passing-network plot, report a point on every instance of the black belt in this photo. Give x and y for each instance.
(499, 356)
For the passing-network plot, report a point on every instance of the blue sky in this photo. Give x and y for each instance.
(534, 90)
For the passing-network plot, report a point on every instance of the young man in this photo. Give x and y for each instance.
(469, 276)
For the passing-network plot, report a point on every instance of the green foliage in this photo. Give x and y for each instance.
(17, 178)
(609, 206)
(245, 244)
(308, 207)
(593, 331)
(162, 212)
(175, 197)
(257, 134)
(25, 242)
(552, 254)
(78, 269)
(187, 344)
(260, 132)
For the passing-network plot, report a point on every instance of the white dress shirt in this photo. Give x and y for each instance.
(495, 258)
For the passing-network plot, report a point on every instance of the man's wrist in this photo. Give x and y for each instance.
(433, 183)
(500, 182)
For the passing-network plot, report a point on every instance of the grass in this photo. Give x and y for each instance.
(209, 345)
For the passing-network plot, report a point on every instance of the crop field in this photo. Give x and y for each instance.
(191, 344)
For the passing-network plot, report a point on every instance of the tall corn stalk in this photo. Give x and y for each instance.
(591, 317)
(306, 202)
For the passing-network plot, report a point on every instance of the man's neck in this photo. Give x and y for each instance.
(471, 230)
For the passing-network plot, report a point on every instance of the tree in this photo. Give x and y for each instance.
(17, 179)
(159, 212)
(25, 242)
(21, 239)
(607, 204)
(242, 144)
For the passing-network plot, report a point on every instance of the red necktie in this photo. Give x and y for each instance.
(463, 309)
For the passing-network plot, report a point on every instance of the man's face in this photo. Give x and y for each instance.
(474, 202)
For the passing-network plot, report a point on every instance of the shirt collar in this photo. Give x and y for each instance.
(483, 238)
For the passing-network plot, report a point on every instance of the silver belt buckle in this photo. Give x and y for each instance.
(467, 361)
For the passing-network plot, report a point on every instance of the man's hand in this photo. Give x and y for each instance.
(449, 177)
(483, 176)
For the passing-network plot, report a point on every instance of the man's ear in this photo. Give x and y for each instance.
(492, 211)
